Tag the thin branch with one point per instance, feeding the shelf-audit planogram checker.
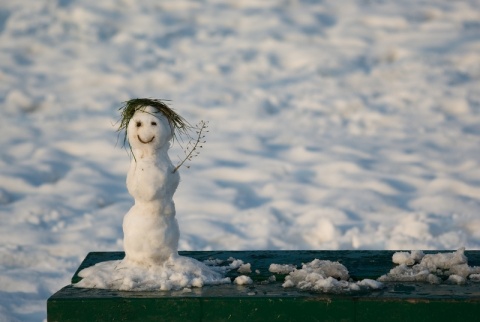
(191, 150)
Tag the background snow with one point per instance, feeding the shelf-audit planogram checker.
(333, 125)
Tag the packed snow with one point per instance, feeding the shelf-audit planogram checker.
(282, 268)
(245, 268)
(150, 228)
(219, 265)
(333, 125)
(408, 258)
(243, 280)
(431, 268)
(213, 261)
(475, 277)
(327, 277)
(174, 274)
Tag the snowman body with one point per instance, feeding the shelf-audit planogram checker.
(150, 228)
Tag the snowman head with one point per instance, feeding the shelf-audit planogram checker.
(149, 130)
(149, 124)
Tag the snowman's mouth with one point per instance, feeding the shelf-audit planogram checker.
(145, 142)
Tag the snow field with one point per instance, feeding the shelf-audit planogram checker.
(333, 125)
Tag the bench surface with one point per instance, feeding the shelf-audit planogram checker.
(398, 301)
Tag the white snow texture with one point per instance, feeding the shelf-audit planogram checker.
(282, 268)
(328, 277)
(431, 267)
(333, 125)
(150, 229)
(175, 273)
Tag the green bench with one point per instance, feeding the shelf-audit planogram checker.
(263, 301)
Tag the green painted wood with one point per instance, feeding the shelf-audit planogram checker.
(271, 302)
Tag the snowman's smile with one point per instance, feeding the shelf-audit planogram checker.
(145, 142)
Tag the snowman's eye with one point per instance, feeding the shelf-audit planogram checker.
(139, 123)
(154, 123)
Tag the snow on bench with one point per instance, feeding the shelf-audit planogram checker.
(291, 286)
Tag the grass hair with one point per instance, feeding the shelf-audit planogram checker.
(177, 123)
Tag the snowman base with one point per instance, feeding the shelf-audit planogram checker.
(178, 272)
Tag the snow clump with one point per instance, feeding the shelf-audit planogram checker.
(431, 268)
(245, 268)
(175, 274)
(328, 277)
(475, 277)
(281, 269)
(213, 261)
(243, 280)
(237, 264)
(415, 256)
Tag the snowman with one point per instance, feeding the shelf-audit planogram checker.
(150, 228)
(151, 231)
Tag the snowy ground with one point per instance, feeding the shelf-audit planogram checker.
(333, 125)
